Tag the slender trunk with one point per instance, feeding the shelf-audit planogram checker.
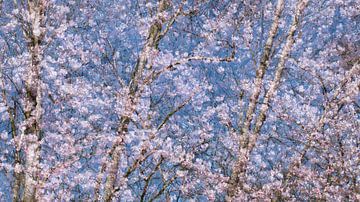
(274, 85)
(115, 160)
(153, 39)
(32, 124)
(17, 174)
(264, 63)
(239, 173)
(32, 131)
(17, 177)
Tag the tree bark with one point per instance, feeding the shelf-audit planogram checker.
(264, 63)
(274, 85)
(32, 108)
(260, 72)
(237, 179)
(153, 39)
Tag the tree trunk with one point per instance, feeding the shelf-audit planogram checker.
(260, 72)
(238, 176)
(235, 178)
(153, 39)
(32, 108)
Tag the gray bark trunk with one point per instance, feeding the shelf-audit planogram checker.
(153, 39)
(32, 131)
(244, 136)
(237, 179)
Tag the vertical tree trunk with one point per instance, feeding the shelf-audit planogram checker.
(239, 172)
(152, 42)
(17, 174)
(274, 85)
(264, 63)
(33, 111)
(260, 72)
(115, 160)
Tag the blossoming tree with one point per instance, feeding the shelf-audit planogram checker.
(168, 100)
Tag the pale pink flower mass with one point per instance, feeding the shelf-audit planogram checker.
(179, 100)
